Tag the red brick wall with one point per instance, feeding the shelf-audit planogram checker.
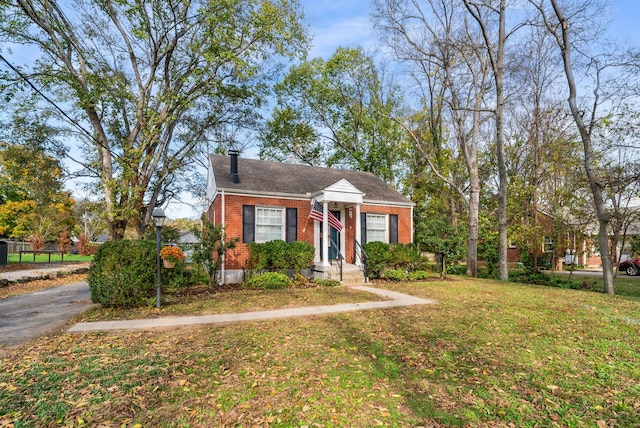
(236, 258)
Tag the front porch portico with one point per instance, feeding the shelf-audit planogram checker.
(345, 199)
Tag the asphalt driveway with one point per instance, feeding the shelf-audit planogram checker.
(26, 317)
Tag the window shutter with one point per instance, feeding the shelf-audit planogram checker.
(363, 227)
(393, 228)
(248, 223)
(292, 224)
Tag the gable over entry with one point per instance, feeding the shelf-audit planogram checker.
(259, 201)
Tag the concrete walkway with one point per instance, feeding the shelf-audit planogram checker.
(395, 299)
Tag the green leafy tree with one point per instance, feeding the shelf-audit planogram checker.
(213, 245)
(447, 241)
(32, 194)
(145, 84)
(335, 112)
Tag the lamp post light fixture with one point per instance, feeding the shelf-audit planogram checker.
(158, 220)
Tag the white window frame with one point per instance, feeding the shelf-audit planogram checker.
(513, 245)
(547, 245)
(386, 227)
(260, 239)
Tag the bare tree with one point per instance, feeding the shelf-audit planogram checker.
(451, 74)
(487, 14)
(567, 22)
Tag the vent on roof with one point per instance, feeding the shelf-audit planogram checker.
(234, 177)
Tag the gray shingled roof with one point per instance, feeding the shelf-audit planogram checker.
(263, 176)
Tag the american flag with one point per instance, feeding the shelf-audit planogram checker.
(316, 214)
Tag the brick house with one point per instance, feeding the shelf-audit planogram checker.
(259, 201)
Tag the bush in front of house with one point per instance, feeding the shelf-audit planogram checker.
(268, 281)
(382, 256)
(378, 255)
(123, 274)
(404, 256)
(280, 256)
(299, 255)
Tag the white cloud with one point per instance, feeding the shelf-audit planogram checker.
(353, 32)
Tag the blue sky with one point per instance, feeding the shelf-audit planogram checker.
(346, 23)
(335, 23)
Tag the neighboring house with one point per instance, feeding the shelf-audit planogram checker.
(260, 201)
(188, 242)
(571, 242)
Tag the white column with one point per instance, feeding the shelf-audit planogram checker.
(358, 235)
(326, 239)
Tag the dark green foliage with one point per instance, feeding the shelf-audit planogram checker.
(327, 282)
(395, 275)
(446, 241)
(378, 254)
(280, 256)
(488, 250)
(404, 256)
(268, 281)
(275, 254)
(300, 255)
(183, 276)
(123, 274)
(396, 256)
(540, 278)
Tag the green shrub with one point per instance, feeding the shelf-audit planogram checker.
(418, 275)
(378, 257)
(280, 256)
(268, 281)
(403, 256)
(395, 275)
(327, 282)
(183, 276)
(123, 274)
(276, 254)
(299, 255)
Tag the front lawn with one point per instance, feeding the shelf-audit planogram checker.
(486, 354)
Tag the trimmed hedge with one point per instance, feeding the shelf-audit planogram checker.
(279, 256)
(123, 274)
(391, 256)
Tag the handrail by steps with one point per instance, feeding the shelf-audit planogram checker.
(365, 269)
(340, 257)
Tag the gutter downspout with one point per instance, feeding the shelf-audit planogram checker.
(222, 267)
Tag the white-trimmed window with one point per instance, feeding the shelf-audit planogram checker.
(377, 227)
(547, 245)
(269, 224)
(513, 245)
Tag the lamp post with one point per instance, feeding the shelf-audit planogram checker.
(158, 219)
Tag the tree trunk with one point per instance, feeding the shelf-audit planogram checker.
(472, 242)
(585, 136)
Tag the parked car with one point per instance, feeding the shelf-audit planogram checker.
(630, 266)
